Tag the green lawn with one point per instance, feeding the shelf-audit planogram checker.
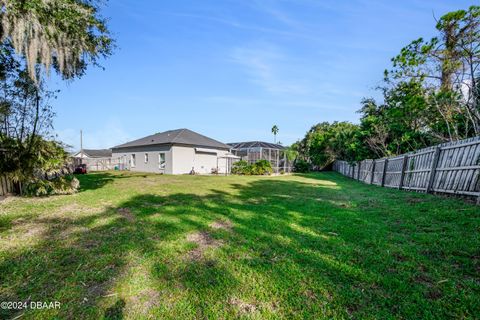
(195, 247)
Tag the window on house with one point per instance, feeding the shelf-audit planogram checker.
(161, 160)
(132, 160)
(146, 157)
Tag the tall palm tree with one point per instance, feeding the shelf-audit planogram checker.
(275, 131)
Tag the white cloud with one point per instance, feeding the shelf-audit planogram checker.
(274, 104)
(269, 68)
(274, 9)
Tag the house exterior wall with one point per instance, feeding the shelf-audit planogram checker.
(186, 157)
(152, 165)
(178, 159)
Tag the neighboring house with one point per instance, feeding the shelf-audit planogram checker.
(96, 159)
(252, 151)
(93, 153)
(175, 152)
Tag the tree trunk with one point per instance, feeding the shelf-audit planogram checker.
(35, 122)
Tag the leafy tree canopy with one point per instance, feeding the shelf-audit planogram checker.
(64, 34)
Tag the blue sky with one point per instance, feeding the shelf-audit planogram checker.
(231, 69)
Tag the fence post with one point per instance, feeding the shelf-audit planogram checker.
(373, 171)
(402, 174)
(2, 192)
(384, 173)
(359, 166)
(6, 185)
(431, 178)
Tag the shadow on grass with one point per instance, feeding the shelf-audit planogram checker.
(97, 180)
(346, 251)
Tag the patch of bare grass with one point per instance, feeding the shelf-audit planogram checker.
(127, 214)
(243, 307)
(204, 241)
(252, 308)
(147, 299)
(222, 225)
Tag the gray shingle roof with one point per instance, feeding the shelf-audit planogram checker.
(178, 136)
(255, 144)
(98, 153)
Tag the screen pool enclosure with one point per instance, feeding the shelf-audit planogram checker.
(252, 151)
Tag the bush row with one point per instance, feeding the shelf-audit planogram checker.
(66, 184)
(261, 167)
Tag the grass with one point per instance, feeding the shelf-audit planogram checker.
(182, 247)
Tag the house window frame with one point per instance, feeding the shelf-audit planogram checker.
(162, 162)
(133, 160)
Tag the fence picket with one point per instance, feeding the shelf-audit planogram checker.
(384, 172)
(6, 186)
(402, 174)
(452, 167)
(433, 169)
(373, 172)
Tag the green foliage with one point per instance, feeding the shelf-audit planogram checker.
(261, 167)
(400, 124)
(446, 69)
(35, 36)
(66, 184)
(275, 132)
(301, 166)
(431, 95)
(35, 158)
(26, 119)
(37, 167)
(67, 35)
(275, 129)
(326, 142)
(292, 152)
(241, 167)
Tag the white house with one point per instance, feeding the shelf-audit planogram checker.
(175, 152)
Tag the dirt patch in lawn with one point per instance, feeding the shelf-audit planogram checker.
(242, 306)
(22, 235)
(415, 200)
(127, 214)
(155, 205)
(74, 209)
(204, 241)
(222, 225)
(145, 300)
(68, 208)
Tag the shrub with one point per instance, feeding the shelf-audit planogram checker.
(241, 167)
(301, 166)
(66, 184)
(262, 167)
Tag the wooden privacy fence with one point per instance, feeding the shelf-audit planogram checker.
(6, 186)
(99, 164)
(452, 167)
